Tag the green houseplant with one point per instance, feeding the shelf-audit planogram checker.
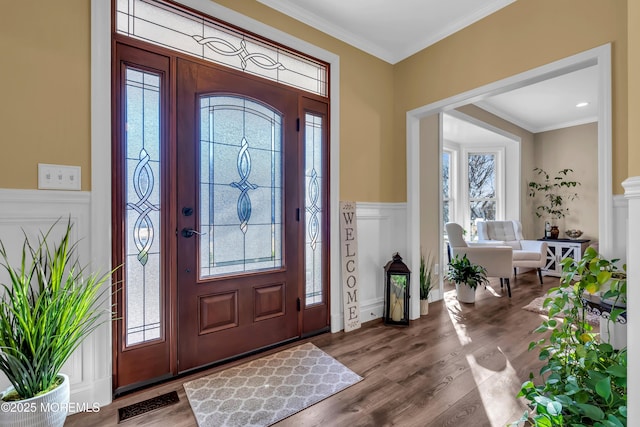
(556, 191)
(605, 292)
(426, 282)
(583, 381)
(467, 277)
(48, 307)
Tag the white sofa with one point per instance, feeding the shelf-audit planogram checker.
(497, 260)
(526, 253)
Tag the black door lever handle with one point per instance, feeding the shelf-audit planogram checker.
(188, 232)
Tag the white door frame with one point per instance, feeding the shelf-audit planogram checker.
(600, 57)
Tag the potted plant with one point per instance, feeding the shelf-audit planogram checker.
(583, 381)
(604, 286)
(426, 283)
(48, 307)
(556, 192)
(467, 277)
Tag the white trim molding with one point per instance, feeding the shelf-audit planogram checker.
(632, 194)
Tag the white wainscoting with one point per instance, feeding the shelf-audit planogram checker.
(381, 233)
(33, 212)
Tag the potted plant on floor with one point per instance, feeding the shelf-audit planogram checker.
(47, 308)
(583, 381)
(467, 277)
(426, 283)
(556, 192)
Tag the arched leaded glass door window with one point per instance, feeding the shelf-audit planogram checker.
(240, 186)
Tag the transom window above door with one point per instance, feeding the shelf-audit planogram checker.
(169, 25)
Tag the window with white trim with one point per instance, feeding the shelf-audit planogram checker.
(482, 189)
(472, 185)
(448, 202)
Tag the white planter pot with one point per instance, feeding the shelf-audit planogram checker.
(466, 293)
(614, 333)
(47, 410)
(424, 307)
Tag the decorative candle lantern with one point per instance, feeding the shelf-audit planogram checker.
(396, 293)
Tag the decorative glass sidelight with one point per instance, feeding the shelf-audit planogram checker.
(313, 209)
(240, 186)
(171, 26)
(142, 216)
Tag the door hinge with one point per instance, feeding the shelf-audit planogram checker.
(298, 304)
(298, 124)
(298, 214)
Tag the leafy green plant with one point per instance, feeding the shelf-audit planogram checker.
(426, 276)
(595, 273)
(584, 382)
(461, 270)
(556, 192)
(48, 307)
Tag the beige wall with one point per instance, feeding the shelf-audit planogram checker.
(430, 188)
(44, 87)
(45, 108)
(522, 36)
(44, 81)
(575, 148)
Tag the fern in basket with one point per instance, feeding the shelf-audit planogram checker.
(47, 309)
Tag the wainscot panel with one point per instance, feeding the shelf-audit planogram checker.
(32, 212)
(381, 233)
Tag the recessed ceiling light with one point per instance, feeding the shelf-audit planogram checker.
(582, 104)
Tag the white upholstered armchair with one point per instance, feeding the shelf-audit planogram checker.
(497, 260)
(526, 253)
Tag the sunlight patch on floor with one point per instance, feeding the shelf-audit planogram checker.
(454, 310)
(503, 390)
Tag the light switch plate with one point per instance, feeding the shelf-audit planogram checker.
(58, 177)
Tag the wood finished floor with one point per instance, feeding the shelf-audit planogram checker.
(462, 365)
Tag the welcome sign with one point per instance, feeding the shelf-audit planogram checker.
(349, 250)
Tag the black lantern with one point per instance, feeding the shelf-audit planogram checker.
(396, 293)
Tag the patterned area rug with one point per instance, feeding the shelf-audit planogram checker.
(536, 307)
(269, 389)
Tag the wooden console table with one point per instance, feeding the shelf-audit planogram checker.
(559, 249)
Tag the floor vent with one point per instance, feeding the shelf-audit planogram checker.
(148, 405)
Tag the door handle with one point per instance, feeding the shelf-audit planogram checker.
(188, 232)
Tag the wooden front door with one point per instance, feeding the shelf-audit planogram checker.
(238, 227)
(220, 195)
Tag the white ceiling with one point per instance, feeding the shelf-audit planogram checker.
(390, 30)
(457, 129)
(550, 104)
(395, 30)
